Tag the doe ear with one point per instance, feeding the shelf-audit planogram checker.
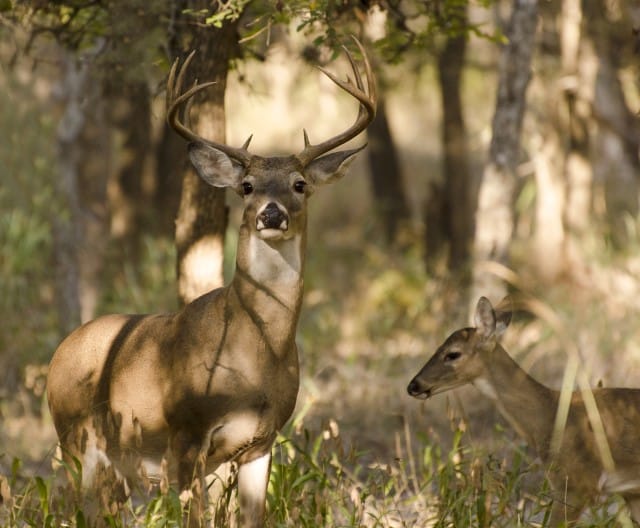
(503, 315)
(485, 318)
(331, 167)
(214, 166)
(490, 322)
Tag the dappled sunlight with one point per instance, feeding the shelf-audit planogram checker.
(358, 450)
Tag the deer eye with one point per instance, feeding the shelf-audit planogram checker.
(299, 186)
(452, 356)
(247, 188)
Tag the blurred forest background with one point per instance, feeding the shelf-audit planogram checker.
(504, 159)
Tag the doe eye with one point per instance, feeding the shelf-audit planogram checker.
(452, 356)
(247, 188)
(299, 186)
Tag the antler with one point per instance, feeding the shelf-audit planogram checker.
(366, 110)
(175, 99)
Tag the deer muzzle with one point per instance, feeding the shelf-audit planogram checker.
(272, 217)
(418, 390)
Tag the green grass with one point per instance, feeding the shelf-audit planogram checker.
(316, 481)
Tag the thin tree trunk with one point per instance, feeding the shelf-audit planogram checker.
(171, 162)
(495, 213)
(617, 137)
(386, 176)
(578, 69)
(80, 233)
(556, 85)
(458, 213)
(548, 241)
(127, 94)
(66, 227)
(130, 118)
(435, 237)
(202, 214)
(617, 162)
(96, 162)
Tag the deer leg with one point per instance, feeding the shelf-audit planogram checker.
(190, 459)
(253, 478)
(99, 487)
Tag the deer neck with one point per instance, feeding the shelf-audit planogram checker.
(269, 275)
(526, 404)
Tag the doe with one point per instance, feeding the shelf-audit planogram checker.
(577, 473)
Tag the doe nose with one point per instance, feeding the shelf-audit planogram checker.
(272, 217)
(413, 388)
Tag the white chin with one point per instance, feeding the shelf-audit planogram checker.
(271, 234)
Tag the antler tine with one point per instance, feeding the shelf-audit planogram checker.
(366, 109)
(174, 101)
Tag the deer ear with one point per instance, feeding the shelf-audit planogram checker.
(331, 167)
(485, 318)
(214, 166)
(503, 316)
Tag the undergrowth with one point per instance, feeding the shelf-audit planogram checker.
(317, 480)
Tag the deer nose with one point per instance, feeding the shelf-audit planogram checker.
(414, 387)
(272, 217)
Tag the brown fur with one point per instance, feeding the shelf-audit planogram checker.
(577, 472)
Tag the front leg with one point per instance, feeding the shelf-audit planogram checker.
(190, 467)
(253, 478)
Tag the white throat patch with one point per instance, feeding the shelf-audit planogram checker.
(485, 387)
(279, 262)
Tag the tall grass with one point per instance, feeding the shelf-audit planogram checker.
(316, 481)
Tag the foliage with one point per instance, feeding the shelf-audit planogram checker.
(27, 201)
(315, 481)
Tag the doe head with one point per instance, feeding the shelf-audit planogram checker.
(462, 358)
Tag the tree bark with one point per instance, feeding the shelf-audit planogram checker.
(386, 176)
(617, 138)
(555, 85)
(129, 104)
(202, 214)
(171, 162)
(66, 227)
(81, 232)
(577, 65)
(617, 163)
(457, 220)
(495, 214)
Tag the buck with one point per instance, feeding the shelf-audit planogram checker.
(175, 395)
(576, 469)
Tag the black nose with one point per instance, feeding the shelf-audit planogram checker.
(272, 217)
(413, 388)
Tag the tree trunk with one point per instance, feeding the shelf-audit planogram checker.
(66, 227)
(80, 234)
(386, 176)
(457, 220)
(202, 214)
(617, 163)
(556, 85)
(495, 213)
(171, 162)
(617, 138)
(577, 65)
(130, 119)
